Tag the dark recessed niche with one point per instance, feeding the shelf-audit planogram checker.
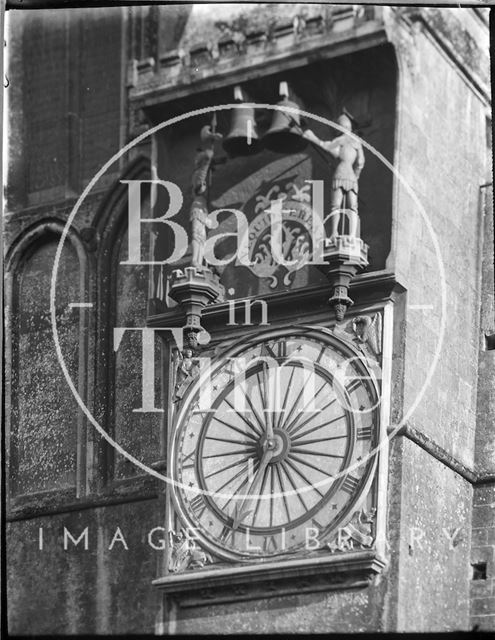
(479, 571)
(364, 84)
(490, 342)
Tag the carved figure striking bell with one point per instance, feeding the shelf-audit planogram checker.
(242, 139)
(285, 132)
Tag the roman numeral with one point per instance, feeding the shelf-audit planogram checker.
(350, 484)
(316, 524)
(198, 506)
(188, 461)
(282, 349)
(279, 349)
(266, 350)
(352, 386)
(270, 541)
(364, 433)
(226, 533)
(229, 368)
(201, 413)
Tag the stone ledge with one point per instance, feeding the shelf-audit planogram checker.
(162, 86)
(366, 288)
(51, 502)
(246, 582)
(265, 32)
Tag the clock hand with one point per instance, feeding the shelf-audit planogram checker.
(268, 418)
(240, 511)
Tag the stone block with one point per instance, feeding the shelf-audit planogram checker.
(484, 554)
(479, 537)
(483, 606)
(481, 588)
(484, 495)
(483, 623)
(483, 515)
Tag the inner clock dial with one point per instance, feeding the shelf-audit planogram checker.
(278, 438)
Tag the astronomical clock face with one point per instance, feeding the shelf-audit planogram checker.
(271, 449)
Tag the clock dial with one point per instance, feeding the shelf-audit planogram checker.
(270, 450)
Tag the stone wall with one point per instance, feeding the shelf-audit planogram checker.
(71, 101)
(483, 533)
(483, 558)
(442, 155)
(64, 588)
(65, 106)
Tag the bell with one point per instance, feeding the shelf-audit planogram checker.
(242, 140)
(285, 133)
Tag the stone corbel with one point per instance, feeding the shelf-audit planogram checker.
(184, 554)
(368, 332)
(357, 534)
(186, 371)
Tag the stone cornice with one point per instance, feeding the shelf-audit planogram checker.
(58, 501)
(176, 75)
(369, 288)
(247, 582)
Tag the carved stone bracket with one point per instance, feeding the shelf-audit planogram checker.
(345, 256)
(308, 575)
(357, 534)
(193, 288)
(187, 370)
(368, 332)
(184, 554)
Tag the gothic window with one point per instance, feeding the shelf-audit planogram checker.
(136, 432)
(124, 303)
(45, 416)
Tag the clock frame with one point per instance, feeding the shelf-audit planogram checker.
(237, 527)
